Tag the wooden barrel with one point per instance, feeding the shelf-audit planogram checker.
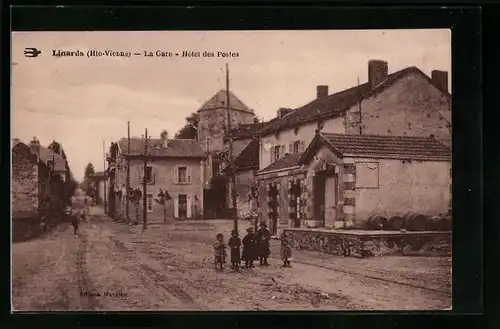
(415, 222)
(396, 223)
(446, 224)
(376, 222)
(434, 223)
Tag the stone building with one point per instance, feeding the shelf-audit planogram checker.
(174, 166)
(213, 124)
(405, 103)
(348, 178)
(38, 187)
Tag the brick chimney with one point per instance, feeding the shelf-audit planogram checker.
(35, 147)
(377, 72)
(164, 139)
(282, 111)
(440, 80)
(321, 91)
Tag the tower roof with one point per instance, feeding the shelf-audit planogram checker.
(219, 100)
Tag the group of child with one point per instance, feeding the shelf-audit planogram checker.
(255, 246)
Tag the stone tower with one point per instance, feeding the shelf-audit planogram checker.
(213, 120)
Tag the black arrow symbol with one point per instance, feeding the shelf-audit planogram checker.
(31, 52)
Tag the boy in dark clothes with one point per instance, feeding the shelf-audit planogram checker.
(286, 250)
(74, 222)
(249, 248)
(235, 243)
(263, 241)
(219, 252)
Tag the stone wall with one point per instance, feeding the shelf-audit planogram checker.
(335, 243)
(25, 191)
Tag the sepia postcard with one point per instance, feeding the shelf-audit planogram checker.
(231, 170)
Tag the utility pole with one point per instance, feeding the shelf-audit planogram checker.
(231, 167)
(105, 175)
(144, 183)
(360, 114)
(127, 183)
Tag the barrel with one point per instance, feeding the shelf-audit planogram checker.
(396, 223)
(434, 223)
(446, 223)
(376, 222)
(415, 222)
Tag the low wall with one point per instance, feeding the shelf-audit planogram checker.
(368, 243)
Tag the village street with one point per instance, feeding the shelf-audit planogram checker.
(169, 267)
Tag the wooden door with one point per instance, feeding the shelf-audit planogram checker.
(182, 206)
(319, 198)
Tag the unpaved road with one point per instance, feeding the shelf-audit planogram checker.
(111, 266)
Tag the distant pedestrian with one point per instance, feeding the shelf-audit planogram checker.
(74, 222)
(263, 242)
(219, 252)
(286, 250)
(249, 248)
(235, 243)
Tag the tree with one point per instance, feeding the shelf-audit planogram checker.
(88, 180)
(190, 129)
(163, 197)
(256, 120)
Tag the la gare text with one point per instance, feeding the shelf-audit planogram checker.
(191, 54)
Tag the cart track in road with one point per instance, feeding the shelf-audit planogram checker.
(84, 283)
(160, 279)
(371, 277)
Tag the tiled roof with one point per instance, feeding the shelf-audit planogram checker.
(336, 104)
(180, 148)
(249, 157)
(418, 148)
(219, 100)
(47, 155)
(243, 131)
(289, 160)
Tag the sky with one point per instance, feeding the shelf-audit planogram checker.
(84, 102)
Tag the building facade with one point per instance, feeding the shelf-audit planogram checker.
(348, 178)
(406, 103)
(174, 166)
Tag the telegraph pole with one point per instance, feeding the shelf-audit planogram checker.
(105, 174)
(127, 183)
(144, 183)
(231, 167)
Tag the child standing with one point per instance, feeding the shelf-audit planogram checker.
(286, 250)
(235, 244)
(219, 252)
(249, 248)
(74, 222)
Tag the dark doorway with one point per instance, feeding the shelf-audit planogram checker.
(319, 198)
(182, 206)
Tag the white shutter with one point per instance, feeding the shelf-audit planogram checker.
(141, 176)
(272, 154)
(290, 148)
(176, 175)
(188, 206)
(282, 151)
(176, 206)
(188, 172)
(302, 146)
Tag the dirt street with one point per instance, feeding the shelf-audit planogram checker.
(111, 266)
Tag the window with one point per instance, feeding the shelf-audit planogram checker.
(296, 147)
(276, 153)
(150, 202)
(182, 175)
